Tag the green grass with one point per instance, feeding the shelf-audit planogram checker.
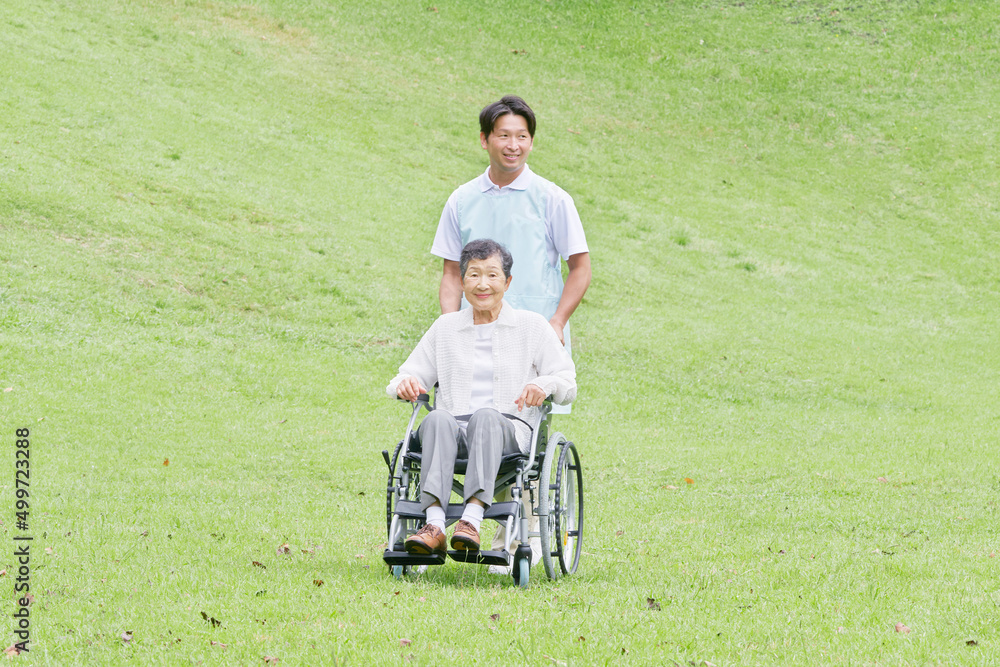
(214, 231)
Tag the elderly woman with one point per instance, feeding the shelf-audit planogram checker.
(487, 360)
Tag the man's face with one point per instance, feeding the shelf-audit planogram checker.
(508, 146)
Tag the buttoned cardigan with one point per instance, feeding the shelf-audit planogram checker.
(525, 350)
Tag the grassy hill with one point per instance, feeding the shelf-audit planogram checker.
(215, 221)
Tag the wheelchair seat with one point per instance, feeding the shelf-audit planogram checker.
(508, 463)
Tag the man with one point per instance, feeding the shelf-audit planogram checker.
(534, 218)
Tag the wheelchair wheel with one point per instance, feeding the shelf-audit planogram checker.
(408, 478)
(390, 489)
(521, 572)
(561, 507)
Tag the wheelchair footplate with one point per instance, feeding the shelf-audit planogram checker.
(403, 558)
(499, 511)
(478, 557)
(481, 557)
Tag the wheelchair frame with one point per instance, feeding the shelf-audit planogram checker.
(546, 482)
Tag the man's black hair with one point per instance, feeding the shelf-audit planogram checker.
(507, 105)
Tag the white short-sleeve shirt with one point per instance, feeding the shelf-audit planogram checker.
(563, 228)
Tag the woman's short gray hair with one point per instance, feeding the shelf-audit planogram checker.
(484, 249)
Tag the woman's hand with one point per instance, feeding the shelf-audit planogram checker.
(532, 396)
(409, 388)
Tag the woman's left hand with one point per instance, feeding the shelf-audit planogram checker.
(532, 396)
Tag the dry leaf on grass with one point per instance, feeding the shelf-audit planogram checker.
(902, 628)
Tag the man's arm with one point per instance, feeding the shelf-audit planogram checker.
(577, 282)
(450, 291)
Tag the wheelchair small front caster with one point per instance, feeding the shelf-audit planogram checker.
(522, 566)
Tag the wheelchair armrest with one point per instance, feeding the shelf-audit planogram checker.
(422, 399)
(544, 409)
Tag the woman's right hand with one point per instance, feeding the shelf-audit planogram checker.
(531, 396)
(409, 388)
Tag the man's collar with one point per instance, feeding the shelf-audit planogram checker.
(520, 183)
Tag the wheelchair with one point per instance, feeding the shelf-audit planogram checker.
(547, 482)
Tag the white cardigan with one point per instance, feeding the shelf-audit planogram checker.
(525, 350)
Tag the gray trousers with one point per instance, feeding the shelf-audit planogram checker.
(488, 437)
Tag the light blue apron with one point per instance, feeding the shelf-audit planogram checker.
(516, 218)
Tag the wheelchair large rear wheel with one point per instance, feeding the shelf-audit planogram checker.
(391, 495)
(561, 507)
(399, 476)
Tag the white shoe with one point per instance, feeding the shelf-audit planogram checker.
(499, 569)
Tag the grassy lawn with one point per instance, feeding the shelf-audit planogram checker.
(215, 222)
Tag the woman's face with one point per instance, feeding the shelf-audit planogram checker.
(484, 283)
